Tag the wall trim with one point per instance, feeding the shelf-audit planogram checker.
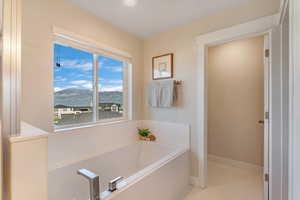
(88, 42)
(235, 163)
(10, 86)
(238, 32)
(194, 181)
(294, 140)
(282, 11)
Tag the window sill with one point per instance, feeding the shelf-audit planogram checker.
(90, 125)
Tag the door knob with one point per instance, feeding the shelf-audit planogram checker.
(261, 121)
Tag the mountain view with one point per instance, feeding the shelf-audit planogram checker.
(83, 97)
(74, 71)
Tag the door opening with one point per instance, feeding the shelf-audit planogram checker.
(237, 88)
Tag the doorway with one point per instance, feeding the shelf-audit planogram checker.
(237, 99)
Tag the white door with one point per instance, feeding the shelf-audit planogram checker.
(266, 117)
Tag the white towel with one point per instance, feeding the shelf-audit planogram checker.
(167, 94)
(162, 94)
(154, 94)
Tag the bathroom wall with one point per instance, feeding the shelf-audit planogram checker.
(235, 76)
(181, 42)
(39, 17)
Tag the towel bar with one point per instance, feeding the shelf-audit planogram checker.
(177, 82)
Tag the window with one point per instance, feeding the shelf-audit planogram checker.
(88, 87)
(110, 77)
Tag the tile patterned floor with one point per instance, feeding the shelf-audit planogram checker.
(229, 183)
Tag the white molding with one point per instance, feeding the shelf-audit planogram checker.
(11, 68)
(235, 163)
(88, 42)
(10, 85)
(237, 32)
(257, 27)
(294, 140)
(283, 8)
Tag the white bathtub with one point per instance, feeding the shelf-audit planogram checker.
(152, 171)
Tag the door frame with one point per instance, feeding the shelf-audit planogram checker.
(10, 77)
(294, 112)
(267, 106)
(263, 26)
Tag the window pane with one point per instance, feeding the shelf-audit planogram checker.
(73, 86)
(110, 78)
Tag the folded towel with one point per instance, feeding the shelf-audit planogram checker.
(162, 94)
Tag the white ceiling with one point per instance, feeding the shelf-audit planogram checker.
(150, 17)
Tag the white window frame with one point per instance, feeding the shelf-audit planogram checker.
(72, 40)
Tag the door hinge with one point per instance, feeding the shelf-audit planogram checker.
(267, 177)
(267, 53)
(267, 115)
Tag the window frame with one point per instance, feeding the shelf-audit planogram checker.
(127, 94)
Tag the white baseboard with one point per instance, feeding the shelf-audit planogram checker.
(235, 163)
(195, 181)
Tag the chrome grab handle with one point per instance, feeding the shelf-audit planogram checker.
(112, 186)
(93, 181)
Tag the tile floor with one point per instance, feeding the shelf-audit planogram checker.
(229, 183)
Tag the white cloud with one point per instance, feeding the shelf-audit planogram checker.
(83, 83)
(111, 88)
(60, 79)
(80, 82)
(77, 64)
(57, 89)
(114, 68)
(111, 81)
(88, 86)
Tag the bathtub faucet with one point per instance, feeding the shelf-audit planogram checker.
(113, 184)
(93, 181)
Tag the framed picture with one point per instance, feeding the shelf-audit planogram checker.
(162, 67)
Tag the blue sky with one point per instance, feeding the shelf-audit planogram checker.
(76, 70)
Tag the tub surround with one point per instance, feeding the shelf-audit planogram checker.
(28, 164)
(67, 147)
(35, 153)
(169, 133)
(147, 168)
(143, 168)
(29, 132)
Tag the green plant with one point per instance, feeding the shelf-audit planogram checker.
(56, 120)
(144, 132)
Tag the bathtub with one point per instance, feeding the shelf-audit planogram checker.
(151, 171)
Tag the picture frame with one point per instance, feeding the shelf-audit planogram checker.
(162, 66)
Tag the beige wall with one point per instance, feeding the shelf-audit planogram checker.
(236, 100)
(38, 18)
(181, 42)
